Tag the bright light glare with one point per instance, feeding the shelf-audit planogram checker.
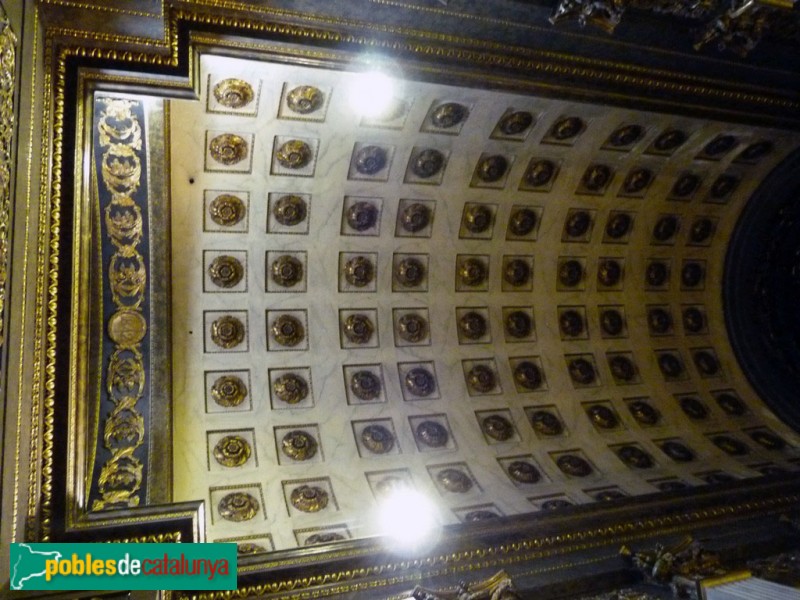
(408, 518)
(372, 94)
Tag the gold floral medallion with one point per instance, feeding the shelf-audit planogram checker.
(294, 154)
(226, 210)
(232, 451)
(288, 330)
(233, 93)
(449, 115)
(358, 329)
(227, 332)
(299, 445)
(498, 428)
(225, 271)
(228, 149)
(228, 391)
(287, 271)
(309, 499)
(377, 439)
(305, 99)
(472, 272)
(249, 548)
(238, 507)
(359, 271)
(432, 434)
(291, 388)
(481, 379)
(290, 210)
(516, 122)
(454, 480)
(412, 328)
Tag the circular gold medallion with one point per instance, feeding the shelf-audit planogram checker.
(359, 271)
(478, 218)
(305, 99)
(377, 439)
(127, 327)
(415, 217)
(227, 332)
(226, 210)
(369, 160)
(432, 434)
(238, 507)
(228, 391)
(516, 122)
(472, 272)
(358, 329)
(233, 93)
(290, 210)
(492, 168)
(323, 538)
(454, 481)
(291, 388)
(481, 379)
(249, 548)
(228, 149)
(449, 115)
(287, 271)
(523, 472)
(288, 330)
(427, 163)
(232, 451)
(498, 428)
(294, 154)
(299, 445)
(420, 382)
(225, 271)
(473, 325)
(365, 385)
(309, 499)
(412, 328)
(574, 465)
(410, 272)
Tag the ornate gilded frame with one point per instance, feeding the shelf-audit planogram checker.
(76, 62)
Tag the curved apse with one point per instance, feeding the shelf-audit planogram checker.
(510, 303)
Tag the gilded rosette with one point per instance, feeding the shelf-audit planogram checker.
(226, 210)
(228, 391)
(232, 451)
(227, 332)
(294, 154)
(225, 271)
(228, 149)
(233, 93)
(299, 445)
(290, 388)
(309, 499)
(238, 507)
(288, 330)
(305, 99)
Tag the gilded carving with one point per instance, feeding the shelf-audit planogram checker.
(517, 272)
(498, 428)
(305, 99)
(365, 385)
(519, 324)
(545, 422)
(454, 480)
(290, 388)
(294, 154)
(232, 451)
(522, 222)
(359, 271)
(420, 382)
(226, 210)
(574, 465)
(290, 210)
(370, 160)
(299, 445)
(412, 328)
(427, 163)
(432, 434)
(473, 325)
(540, 172)
(288, 330)
(377, 439)
(516, 122)
(227, 332)
(225, 271)
(358, 329)
(481, 379)
(287, 271)
(228, 391)
(323, 538)
(415, 217)
(478, 218)
(492, 168)
(523, 472)
(120, 140)
(528, 375)
(612, 322)
(309, 499)
(410, 272)
(449, 115)
(238, 507)
(472, 272)
(233, 93)
(362, 216)
(228, 149)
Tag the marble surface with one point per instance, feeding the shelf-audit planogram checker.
(351, 476)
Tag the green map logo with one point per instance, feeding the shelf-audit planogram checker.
(123, 567)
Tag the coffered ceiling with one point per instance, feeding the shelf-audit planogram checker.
(506, 302)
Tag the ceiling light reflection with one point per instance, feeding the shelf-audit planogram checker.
(372, 95)
(409, 519)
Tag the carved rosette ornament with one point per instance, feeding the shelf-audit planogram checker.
(290, 388)
(309, 499)
(119, 157)
(232, 451)
(323, 538)
(226, 210)
(365, 385)
(415, 217)
(290, 210)
(432, 434)
(299, 445)
(305, 99)
(516, 122)
(238, 507)
(412, 328)
(288, 331)
(227, 332)
(294, 154)
(358, 329)
(228, 391)
(370, 160)
(449, 115)
(377, 439)
(410, 272)
(454, 480)
(228, 149)
(225, 271)
(359, 271)
(233, 93)
(287, 271)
